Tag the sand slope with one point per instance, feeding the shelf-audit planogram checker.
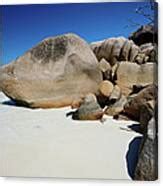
(45, 143)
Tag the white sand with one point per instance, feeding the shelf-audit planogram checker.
(46, 143)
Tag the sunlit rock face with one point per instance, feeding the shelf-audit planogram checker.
(52, 74)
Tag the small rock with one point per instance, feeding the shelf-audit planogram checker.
(106, 69)
(106, 88)
(89, 109)
(104, 65)
(117, 107)
(141, 58)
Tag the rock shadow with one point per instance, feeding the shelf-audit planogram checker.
(136, 128)
(14, 104)
(73, 115)
(9, 103)
(132, 155)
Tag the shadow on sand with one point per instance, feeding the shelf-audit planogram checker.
(14, 104)
(132, 155)
(136, 128)
(9, 103)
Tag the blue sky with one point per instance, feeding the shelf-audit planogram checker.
(24, 26)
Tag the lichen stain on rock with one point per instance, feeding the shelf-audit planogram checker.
(50, 49)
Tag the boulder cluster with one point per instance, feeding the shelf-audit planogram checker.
(115, 76)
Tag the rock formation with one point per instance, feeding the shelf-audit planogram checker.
(134, 105)
(147, 111)
(115, 95)
(150, 50)
(106, 88)
(117, 107)
(116, 74)
(115, 49)
(130, 74)
(145, 34)
(89, 109)
(147, 165)
(53, 74)
(106, 69)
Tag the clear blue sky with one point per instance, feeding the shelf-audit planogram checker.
(24, 26)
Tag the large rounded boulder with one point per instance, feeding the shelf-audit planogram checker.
(53, 74)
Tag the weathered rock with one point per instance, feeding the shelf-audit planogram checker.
(133, 107)
(106, 69)
(129, 74)
(145, 34)
(103, 49)
(117, 107)
(106, 88)
(89, 109)
(52, 74)
(150, 50)
(104, 100)
(77, 102)
(134, 51)
(147, 111)
(116, 94)
(104, 65)
(141, 58)
(147, 165)
(114, 71)
(115, 49)
(125, 54)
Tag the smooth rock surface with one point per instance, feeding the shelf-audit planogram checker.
(52, 74)
(130, 74)
(106, 88)
(133, 107)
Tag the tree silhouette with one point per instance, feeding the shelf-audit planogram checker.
(147, 11)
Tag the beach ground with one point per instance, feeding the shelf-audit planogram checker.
(46, 143)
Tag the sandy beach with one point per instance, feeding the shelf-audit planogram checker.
(46, 143)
